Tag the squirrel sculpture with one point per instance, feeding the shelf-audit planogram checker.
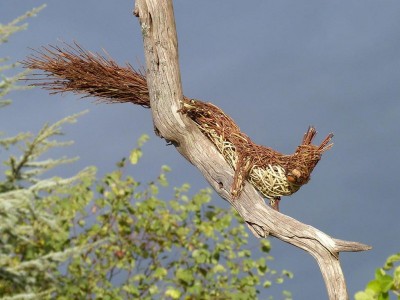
(273, 174)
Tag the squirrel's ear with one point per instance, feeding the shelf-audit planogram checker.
(309, 136)
(325, 145)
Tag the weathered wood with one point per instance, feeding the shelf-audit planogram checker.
(157, 22)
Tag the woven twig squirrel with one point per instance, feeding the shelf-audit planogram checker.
(273, 174)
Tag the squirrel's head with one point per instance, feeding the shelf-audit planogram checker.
(302, 164)
(305, 158)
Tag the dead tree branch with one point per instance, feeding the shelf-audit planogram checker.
(163, 78)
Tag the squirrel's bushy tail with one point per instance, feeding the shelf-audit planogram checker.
(74, 69)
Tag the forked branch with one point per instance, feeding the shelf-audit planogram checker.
(157, 22)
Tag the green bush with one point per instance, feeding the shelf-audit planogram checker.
(384, 284)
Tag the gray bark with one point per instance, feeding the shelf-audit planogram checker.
(157, 22)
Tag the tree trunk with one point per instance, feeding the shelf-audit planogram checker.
(157, 22)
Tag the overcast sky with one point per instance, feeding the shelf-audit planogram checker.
(275, 67)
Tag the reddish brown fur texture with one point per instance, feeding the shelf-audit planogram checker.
(73, 69)
(298, 166)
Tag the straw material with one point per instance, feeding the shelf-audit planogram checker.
(73, 69)
(272, 173)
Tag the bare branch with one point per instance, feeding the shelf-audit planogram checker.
(163, 79)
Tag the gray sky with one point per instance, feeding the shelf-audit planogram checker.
(275, 67)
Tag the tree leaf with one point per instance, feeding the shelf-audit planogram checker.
(172, 292)
(135, 155)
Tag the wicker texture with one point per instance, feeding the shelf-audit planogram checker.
(272, 173)
(73, 69)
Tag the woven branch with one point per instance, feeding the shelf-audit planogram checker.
(273, 174)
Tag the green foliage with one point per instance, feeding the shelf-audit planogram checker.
(384, 283)
(35, 232)
(122, 241)
(8, 83)
(137, 153)
(35, 226)
(184, 248)
(6, 30)
(27, 167)
(37, 214)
